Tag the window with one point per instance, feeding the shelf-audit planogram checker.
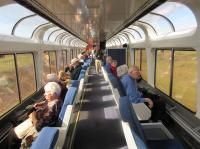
(128, 58)
(144, 65)
(8, 18)
(53, 62)
(46, 66)
(9, 96)
(28, 25)
(162, 80)
(137, 58)
(64, 58)
(185, 78)
(26, 72)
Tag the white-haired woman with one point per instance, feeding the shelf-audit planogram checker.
(45, 113)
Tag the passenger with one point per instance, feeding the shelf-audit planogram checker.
(108, 64)
(52, 77)
(59, 79)
(81, 59)
(44, 113)
(129, 83)
(63, 80)
(68, 69)
(76, 69)
(114, 68)
(98, 60)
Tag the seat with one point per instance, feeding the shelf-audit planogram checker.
(138, 132)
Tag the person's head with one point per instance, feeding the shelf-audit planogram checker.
(109, 59)
(134, 72)
(75, 62)
(52, 77)
(114, 63)
(80, 56)
(62, 75)
(52, 91)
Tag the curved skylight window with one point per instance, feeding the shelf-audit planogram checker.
(8, 18)
(28, 25)
(136, 31)
(54, 35)
(180, 15)
(66, 38)
(160, 24)
(48, 32)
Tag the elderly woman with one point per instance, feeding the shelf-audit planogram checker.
(45, 113)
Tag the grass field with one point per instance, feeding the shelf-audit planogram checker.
(184, 88)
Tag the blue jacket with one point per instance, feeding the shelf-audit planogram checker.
(130, 87)
(108, 68)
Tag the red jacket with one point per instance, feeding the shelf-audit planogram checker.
(114, 70)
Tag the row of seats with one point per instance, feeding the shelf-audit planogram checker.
(54, 137)
(145, 135)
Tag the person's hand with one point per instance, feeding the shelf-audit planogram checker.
(150, 103)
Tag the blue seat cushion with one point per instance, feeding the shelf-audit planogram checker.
(128, 115)
(75, 83)
(69, 98)
(46, 139)
(81, 76)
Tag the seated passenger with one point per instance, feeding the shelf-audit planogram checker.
(81, 59)
(44, 113)
(129, 83)
(76, 69)
(63, 81)
(108, 64)
(68, 69)
(114, 68)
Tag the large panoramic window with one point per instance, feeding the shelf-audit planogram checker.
(28, 25)
(9, 96)
(49, 32)
(46, 66)
(169, 18)
(128, 58)
(162, 80)
(180, 15)
(9, 15)
(144, 71)
(53, 62)
(26, 73)
(184, 88)
(138, 58)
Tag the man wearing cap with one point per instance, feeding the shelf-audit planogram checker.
(77, 68)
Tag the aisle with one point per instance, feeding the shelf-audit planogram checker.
(99, 125)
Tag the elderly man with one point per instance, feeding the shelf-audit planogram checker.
(45, 113)
(130, 85)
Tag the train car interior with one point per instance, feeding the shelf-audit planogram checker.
(69, 43)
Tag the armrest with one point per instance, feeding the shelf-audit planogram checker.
(142, 111)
